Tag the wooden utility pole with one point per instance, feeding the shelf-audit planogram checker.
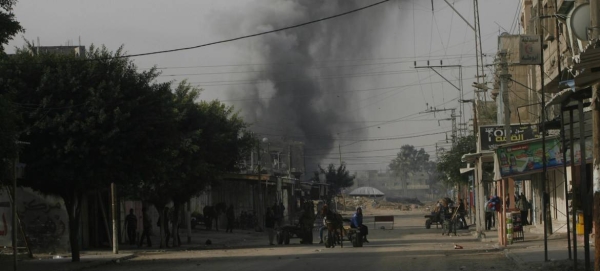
(596, 170)
(595, 23)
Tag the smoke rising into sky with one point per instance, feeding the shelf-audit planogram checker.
(297, 93)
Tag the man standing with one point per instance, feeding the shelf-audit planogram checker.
(270, 225)
(523, 206)
(131, 226)
(147, 223)
(230, 218)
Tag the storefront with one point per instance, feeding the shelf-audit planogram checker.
(524, 160)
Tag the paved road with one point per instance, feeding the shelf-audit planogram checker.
(408, 247)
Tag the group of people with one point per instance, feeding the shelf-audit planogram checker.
(274, 218)
(445, 209)
(131, 226)
(495, 205)
(356, 222)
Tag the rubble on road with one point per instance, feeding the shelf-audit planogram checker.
(351, 203)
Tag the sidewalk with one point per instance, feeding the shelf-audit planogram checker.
(100, 257)
(88, 260)
(531, 251)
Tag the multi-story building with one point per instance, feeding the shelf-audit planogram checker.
(564, 76)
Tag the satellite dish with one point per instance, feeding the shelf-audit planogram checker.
(580, 21)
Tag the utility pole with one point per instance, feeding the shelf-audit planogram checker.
(460, 82)
(504, 76)
(14, 213)
(340, 150)
(595, 34)
(261, 203)
(15, 217)
(113, 192)
(453, 117)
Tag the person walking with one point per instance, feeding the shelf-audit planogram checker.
(131, 226)
(490, 212)
(230, 218)
(147, 228)
(357, 223)
(270, 225)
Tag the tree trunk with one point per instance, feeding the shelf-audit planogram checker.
(175, 223)
(161, 231)
(73, 205)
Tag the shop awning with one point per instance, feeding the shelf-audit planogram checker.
(465, 170)
(486, 156)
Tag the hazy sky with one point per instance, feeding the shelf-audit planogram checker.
(335, 83)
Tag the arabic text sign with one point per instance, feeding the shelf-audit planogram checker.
(530, 50)
(527, 158)
(492, 136)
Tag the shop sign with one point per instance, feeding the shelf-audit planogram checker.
(527, 158)
(492, 136)
(530, 50)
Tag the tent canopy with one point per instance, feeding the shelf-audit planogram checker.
(366, 191)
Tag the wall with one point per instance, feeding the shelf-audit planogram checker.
(44, 219)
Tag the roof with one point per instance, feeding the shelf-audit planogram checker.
(366, 191)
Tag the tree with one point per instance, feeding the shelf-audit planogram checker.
(451, 161)
(337, 179)
(9, 27)
(407, 162)
(88, 122)
(207, 139)
(213, 139)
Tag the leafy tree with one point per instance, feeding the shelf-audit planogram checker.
(9, 27)
(408, 162)
(7, 138)
(213, 138)
(337, 179)
(207, 140)
(90, 122)
(451, 161)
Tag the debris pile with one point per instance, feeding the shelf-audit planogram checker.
(404, 204)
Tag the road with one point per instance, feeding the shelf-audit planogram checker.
(409, 246)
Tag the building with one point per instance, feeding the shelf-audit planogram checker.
(560, 84)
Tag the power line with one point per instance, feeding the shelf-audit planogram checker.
(410, 59)
(252, 35)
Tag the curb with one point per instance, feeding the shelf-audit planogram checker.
(103, 263)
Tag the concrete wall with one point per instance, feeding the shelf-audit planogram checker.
(44, 219)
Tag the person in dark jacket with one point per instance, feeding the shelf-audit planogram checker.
(357, 222)
(523, 206)
(230, 214)
(131, 226)
(270, 225)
